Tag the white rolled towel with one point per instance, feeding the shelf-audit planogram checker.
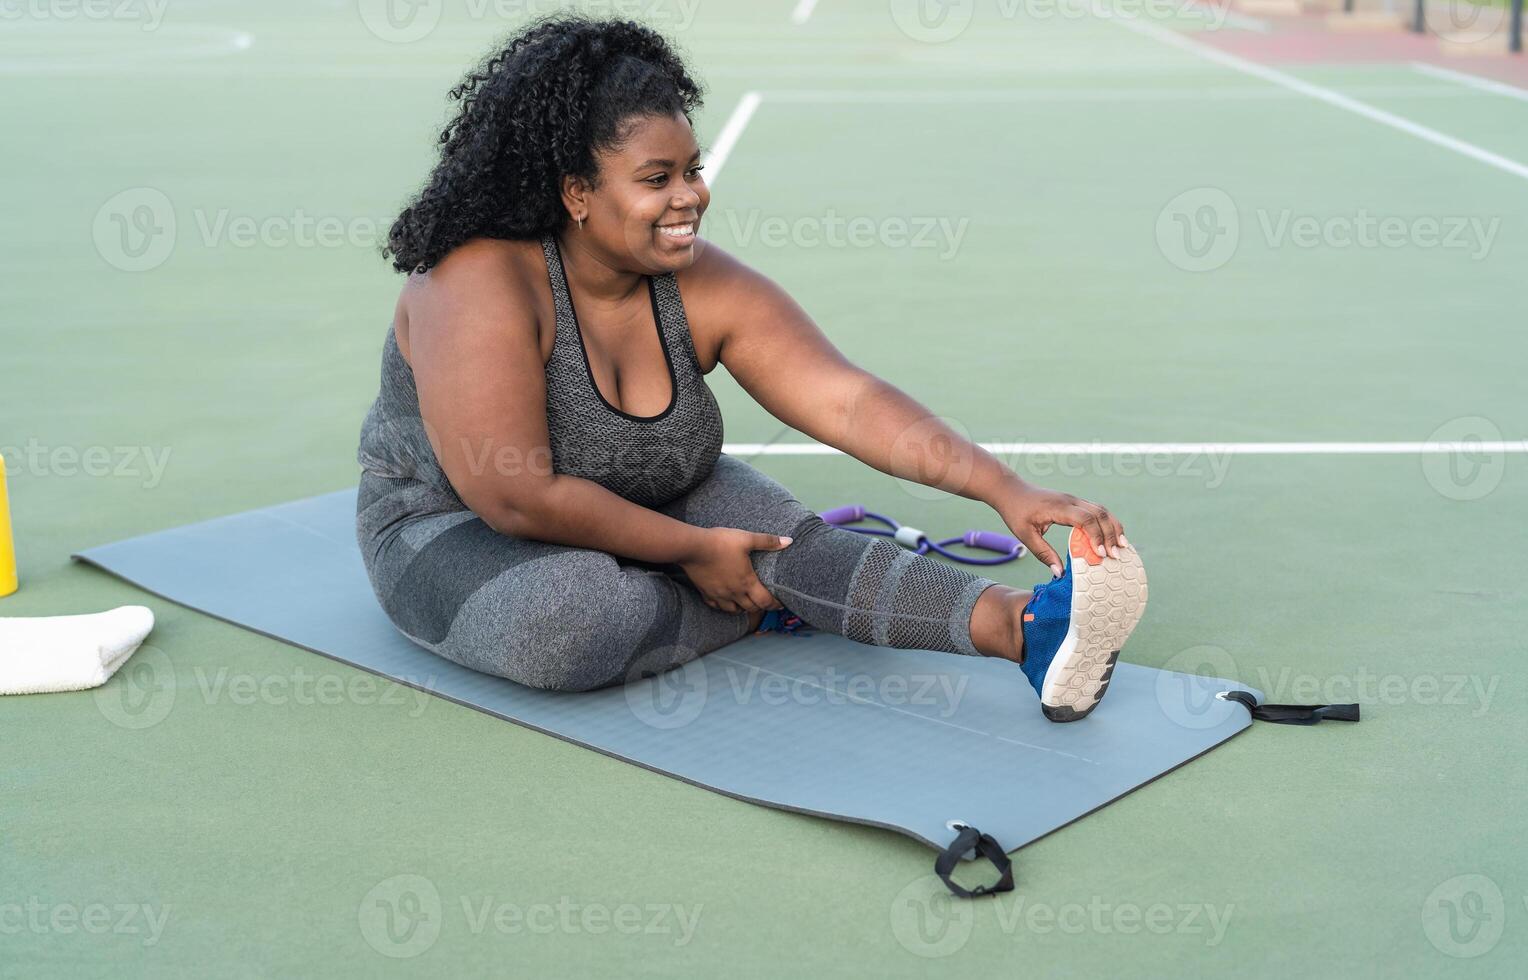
(43, 654)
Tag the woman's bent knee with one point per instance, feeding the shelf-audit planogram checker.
(572, 633)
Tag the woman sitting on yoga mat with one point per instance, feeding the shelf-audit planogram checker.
(545, 497)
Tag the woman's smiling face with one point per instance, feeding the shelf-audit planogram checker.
(646, 211)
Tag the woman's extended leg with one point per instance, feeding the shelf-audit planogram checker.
(866, 588)
(574, 619)
(1066, 635)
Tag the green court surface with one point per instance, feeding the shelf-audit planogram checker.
(1033, 197)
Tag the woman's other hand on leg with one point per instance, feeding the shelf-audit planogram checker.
(721, 571)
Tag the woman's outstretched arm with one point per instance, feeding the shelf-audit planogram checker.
(781, 358)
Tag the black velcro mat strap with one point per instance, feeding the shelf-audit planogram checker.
(1293, 714)
(968, 838)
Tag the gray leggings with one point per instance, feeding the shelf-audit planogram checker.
(574, 619)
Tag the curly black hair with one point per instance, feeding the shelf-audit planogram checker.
(535, 111)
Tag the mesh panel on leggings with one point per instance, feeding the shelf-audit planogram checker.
(903, 600)
(868, 579)
(929, 590)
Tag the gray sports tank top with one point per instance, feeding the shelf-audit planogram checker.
(649, 461)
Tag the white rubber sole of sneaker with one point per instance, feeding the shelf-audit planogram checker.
(1108, 598)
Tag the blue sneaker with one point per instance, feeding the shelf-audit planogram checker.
(783, 621)
(1075, 625)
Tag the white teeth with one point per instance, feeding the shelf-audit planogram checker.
(677, 231)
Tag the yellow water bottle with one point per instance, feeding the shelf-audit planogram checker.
(7, 546)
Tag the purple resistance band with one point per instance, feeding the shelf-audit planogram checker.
(1006, 547)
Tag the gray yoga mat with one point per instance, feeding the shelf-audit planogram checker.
(908, 740)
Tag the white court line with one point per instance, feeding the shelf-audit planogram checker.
(1440, 447)
(1473, 81)
(736, 123)
(1321, 94)
(948, 96)
(222, 41)
(803, 11)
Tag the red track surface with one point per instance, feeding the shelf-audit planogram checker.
(1307, 40)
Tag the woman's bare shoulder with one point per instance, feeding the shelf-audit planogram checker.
(715, 268)
(483, 284)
